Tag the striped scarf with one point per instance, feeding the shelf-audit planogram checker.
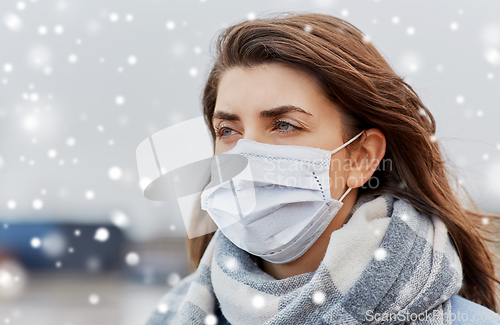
(388, 264)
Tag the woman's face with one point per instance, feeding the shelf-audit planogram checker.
(277, 104)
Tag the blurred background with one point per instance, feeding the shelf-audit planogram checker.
(83, 82)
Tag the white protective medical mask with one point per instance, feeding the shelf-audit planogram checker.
(280, 204)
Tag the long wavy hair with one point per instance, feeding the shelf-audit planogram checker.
(355, 76)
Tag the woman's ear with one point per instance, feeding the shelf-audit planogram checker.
(366, 158)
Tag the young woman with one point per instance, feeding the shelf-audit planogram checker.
(375, 231)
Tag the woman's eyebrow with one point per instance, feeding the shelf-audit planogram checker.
(272, 112)
(280, 110)
(225, 116)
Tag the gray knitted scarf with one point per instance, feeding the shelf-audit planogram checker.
(388, 264)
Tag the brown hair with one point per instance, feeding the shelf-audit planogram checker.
(354, 75)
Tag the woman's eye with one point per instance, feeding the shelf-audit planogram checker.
(224, 132)
(283, 126)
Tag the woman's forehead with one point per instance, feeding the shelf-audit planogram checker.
(268, 86)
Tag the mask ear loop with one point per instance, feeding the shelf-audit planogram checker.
(348, 142)
(345, 194)
(342, 147)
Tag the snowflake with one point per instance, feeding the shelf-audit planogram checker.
(114, 17)
(52, 153)
(319, 297)
(37, 204)
(89, 195)
(94, 299)
(170, 25)
(162, 308)
(70, 141)
(173, 278)
(258, 301)
(35, 242)
(380, 254)
(115, 173)
(231, 263)
(132, 258)
(11, 204)
(101, 234)
(211, 319)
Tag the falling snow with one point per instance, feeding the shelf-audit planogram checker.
(162, 308)
(7, 67)
(89, 195)
(132, 60)
(193, 72)
(115, 173)
(119, 219)
(11, 204)
(319, 297)
(52, 153)
(114, 17)
(211, 319)
(37, 204)
(35, 242)
(58, 29)
(258, 301)
(72, 58)
(170, 25)
(380, 254)
(94, 299)
(132, 258)
(13, 22)
(101, 234)
(62, 132)
(70, 141)
(173, 278)
(231, 263)
(119, 100)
